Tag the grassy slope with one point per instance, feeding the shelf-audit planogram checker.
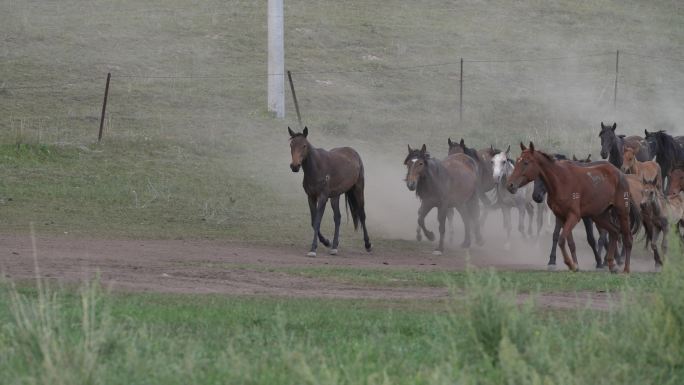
(201, 157)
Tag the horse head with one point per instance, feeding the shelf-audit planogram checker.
(416, 163)
(501, 167)
(299, 147)
(608, 139)
(526, 170)
(628, 160)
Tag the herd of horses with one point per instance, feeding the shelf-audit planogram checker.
(641, 185)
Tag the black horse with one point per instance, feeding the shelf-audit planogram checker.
(612, 146)
(539, 195)
(668, 150)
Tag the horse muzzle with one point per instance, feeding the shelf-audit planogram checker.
(512, 187)
(539, 198)
(294, 167)
(604, 154)
(411, 186)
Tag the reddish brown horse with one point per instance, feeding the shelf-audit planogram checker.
(580, 191)
(327, 175)
(444, 184)
(648, 170)
(676, 177)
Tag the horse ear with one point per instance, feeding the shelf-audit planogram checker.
(574, 158)
(292, 134)
(462, 143)
(491, 147)
(614, 126)
(645, 132)
(423, 149)
(531, 146)
(589, 158)
(409, 148)
(306, 131)
(450, 142)
(522, 146)
(508, 150)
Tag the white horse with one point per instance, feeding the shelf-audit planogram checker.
(502, 168)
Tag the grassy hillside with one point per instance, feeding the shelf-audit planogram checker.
(190, 149)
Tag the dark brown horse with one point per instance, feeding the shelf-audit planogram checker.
(612, 146)
(580, 191)
(327, 175)
(446, 184)
(485, 180)
(667, 150)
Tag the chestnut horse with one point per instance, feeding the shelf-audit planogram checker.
(327, 175)
(676, 178)
(539, 196)
(446, 184)
(648, 170)
(575, 192)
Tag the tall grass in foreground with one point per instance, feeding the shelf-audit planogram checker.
(484, 337)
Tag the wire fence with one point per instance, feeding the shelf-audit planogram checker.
(484, 90)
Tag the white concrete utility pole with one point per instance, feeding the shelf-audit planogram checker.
(276, 58)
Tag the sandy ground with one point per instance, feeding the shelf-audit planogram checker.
(202, 266)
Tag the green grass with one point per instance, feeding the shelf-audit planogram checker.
(479, 336)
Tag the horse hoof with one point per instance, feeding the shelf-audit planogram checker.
(419, 237)
(333, 251)
(480, 242)
(614, 270)
(467, 253)
(436, 252)
(311, 254)
(325, 242)
(658, 268)
(551, 267)
(369, 247)
(430, 236)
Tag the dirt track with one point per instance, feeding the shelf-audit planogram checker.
(198, 266)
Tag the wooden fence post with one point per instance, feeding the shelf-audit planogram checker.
(104, 107)
(294, 98)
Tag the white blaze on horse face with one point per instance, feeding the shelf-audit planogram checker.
(499, 163)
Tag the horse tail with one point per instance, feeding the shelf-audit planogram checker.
(352, 206)
(346, 208)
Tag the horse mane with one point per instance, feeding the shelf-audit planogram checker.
(668, 147)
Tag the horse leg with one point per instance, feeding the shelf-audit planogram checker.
(450, 219)
(521, 219)
(573, 250)
(566, 234)
(589, 228)
(507, 225)
(602, 244)
(530, 214)
(317, 210)
(540, 218)
(473, 215)
(337, 217)
(606, 226)
(485, 211)
(554, 243)
(422, 213)
(463, 210)
(441, 218)
(623, 220)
